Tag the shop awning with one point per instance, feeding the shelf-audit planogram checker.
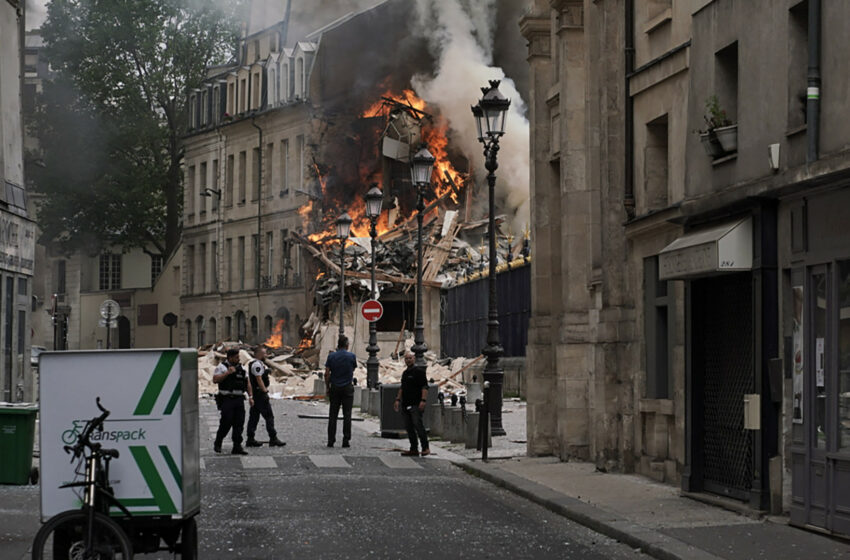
(726, 247)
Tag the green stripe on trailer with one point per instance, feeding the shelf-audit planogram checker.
(175, 472)
(156, 383)
(172, 402)
(153, 480)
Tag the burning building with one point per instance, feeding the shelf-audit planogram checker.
(283, 141)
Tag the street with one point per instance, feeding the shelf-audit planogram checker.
(309, 501)
(306, 500)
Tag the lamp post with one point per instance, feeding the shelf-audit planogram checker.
(343, 228)
(422, 164)
(490, 114)
(374, 200)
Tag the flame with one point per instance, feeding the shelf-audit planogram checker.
(305, 344)
(434, 132)
(275, 340)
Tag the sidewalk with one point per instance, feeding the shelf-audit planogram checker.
(635, 510)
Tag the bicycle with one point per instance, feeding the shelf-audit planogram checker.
(88, 533)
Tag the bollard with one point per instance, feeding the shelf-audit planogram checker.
(484, 422)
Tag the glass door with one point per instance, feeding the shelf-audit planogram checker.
(817, 390)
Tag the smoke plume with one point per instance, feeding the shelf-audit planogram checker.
(460, 36)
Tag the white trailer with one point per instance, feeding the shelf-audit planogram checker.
(153, 399)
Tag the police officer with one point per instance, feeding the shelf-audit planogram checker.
(259, 375)
(232, 383)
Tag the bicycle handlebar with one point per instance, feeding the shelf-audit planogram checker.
(84, 440)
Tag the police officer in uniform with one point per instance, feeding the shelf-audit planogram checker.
(232, 383)
(259, 375)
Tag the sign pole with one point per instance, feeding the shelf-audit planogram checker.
(108, 324)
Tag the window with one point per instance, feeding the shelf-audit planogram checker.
(655, 164)
(256, 174)
(255, 326)
(202, 188)
(301, 162)
(255, 93)
(202, 268)
(214, 262)
(270, 255)
(190, 269)
(285, 264)
(59, 278)
(199, 324)
(188, 332)
(255, 254)
(190, 189)
(243, 95)
(228, 179)
(231, 98)
(726, 80)
(268, 163)
(22, 331)
(284, 167)
(243, 161)
(228, 327)
(156, 268)
(240, 262)
(658, 317)
(228, 247)
(109, 272)
(798, 60)
(216, 198)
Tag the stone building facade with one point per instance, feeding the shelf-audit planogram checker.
(17, 230)
(690, 301)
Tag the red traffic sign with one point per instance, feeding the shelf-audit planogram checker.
(372, 310)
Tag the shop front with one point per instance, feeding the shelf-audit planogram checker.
(819, 325)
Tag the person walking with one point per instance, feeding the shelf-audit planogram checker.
(259, 376)
(339, 380)
(411, 399)
(232, 381)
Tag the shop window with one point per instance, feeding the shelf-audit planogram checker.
(658, 321)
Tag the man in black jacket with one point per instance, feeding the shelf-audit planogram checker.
(411, 399)
(259, 375)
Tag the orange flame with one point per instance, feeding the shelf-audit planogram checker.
(275, 340)
(434, 133)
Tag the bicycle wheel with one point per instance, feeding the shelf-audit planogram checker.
(63, 538)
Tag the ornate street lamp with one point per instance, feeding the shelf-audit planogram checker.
(343, 228)
(490, 115)
(374, 201)
(422, 164)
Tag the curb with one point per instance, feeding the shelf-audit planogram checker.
(648, 541)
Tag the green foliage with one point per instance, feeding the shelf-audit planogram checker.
(715, 117)
(111, 119)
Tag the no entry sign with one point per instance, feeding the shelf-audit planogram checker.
(372, 310)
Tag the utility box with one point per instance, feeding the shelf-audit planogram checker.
(392, 422)
(152, 396)
(752, 411)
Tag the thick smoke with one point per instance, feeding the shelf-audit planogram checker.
(460, 37)
(36, 13)
(306, 16)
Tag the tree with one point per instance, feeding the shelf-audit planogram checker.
(111, 120)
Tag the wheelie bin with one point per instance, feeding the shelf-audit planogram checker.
(17, 435)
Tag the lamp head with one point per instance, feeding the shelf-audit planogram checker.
(343, 226)
(421, 166)
(374, 201)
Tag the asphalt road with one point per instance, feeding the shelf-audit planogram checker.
(309, 501)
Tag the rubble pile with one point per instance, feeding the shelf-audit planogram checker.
(293, 371)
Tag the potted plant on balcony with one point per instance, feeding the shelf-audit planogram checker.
(721, 134)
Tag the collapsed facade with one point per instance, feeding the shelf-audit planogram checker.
(689, 309)
(283, 141)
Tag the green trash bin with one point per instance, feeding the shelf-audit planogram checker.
(17, 435)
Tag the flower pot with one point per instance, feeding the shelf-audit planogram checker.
(728, 137)
(711, 145)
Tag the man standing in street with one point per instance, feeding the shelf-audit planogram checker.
(232, 384)
(259, 375)
(411, 399)
(339, 380)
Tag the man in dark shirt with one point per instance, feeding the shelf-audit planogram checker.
(411, 398)
(339, 380)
